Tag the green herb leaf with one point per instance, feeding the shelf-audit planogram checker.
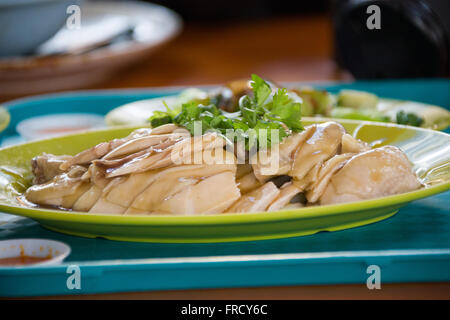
(286, 110)
(409, 119)
(261, 90)
(160, 118)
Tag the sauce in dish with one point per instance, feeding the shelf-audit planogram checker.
(22, 260)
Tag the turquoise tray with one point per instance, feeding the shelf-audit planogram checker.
(411, 246)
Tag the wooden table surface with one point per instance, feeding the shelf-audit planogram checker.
(422, 291)
(291, 48)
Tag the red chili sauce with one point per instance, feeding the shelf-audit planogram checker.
(23, 259)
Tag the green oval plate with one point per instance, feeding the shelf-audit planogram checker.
(428, 150)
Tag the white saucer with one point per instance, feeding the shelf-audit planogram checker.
(54, 125)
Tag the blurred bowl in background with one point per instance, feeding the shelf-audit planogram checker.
(75, 58)
(58, 124)
(25, 24)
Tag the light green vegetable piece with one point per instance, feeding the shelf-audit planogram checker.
(434, 117)
(358, 114)
(357, 99)
(315, 101)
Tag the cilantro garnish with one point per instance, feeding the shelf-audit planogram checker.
(409, 119)
(262, 110)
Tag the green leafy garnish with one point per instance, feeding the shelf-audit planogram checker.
(409, 119)
(264, 118)
(261, 90)
(286, 110)
(160, 118)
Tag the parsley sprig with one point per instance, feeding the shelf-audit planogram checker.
(259, 114)
(411, 119)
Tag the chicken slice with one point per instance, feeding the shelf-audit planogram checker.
(167, 183)
(46, 166)
(283, 156)
(321, 146)
(257, 200)
(312, 175)
(375, 173)
(104, 206)
(248, 183)
(353, 145)
(158, 184)
(203, 198)
(88, 199)
(142, 143)
(183, 151)
(141, 132)
(109, 165)
(125, 192)
(156, 193)
(243, 169)
(327, 170)
(167, 128)
(287, 192)
(62, 190)
(101, 149)
(96, 152)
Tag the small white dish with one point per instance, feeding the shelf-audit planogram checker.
(137, 113)
(58, 124)
(54, 251)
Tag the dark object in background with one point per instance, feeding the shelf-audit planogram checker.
(413, 41)
(233, 10)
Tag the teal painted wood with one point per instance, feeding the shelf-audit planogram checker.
(411, 246)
